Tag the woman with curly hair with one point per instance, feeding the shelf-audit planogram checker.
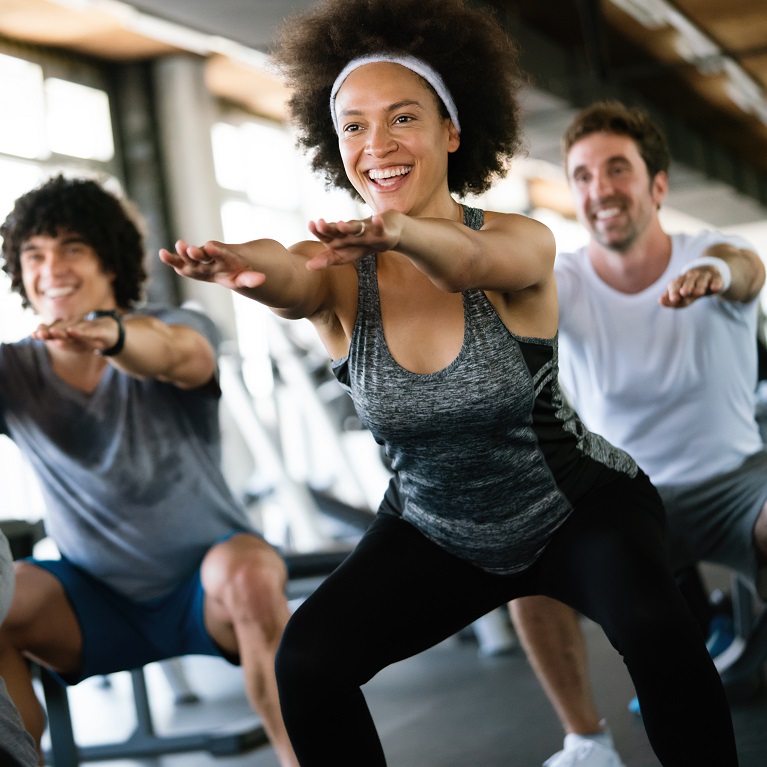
(441, 320)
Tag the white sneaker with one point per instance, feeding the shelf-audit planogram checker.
(583, 751)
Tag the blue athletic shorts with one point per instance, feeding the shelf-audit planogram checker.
(120, 634)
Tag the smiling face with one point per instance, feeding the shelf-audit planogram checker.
(393, 140)
(615, 198)
(63, 277)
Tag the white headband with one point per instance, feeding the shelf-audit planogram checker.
(409, 62)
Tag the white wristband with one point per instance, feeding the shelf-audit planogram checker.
(718, 263)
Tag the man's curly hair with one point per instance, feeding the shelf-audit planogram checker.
(616, 117)
(84, 207)
(466, 45)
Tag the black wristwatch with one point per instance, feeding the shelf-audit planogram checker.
(118, 347)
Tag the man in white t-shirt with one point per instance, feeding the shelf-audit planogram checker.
(658, 354)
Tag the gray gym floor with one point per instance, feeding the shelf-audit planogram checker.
(445, 708)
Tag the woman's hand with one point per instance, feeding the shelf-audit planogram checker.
(348, 241)
(226, 265)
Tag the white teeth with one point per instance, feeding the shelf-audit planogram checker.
(59, 292)
(388, 172)
(607, 213)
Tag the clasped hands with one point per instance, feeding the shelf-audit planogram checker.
(94, 335)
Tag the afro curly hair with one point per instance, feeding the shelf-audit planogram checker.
(84, 207)
(466, 45)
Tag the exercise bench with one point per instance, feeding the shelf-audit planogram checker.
(303, 571)
(143, 741)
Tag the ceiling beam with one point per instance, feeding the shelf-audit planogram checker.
(738, 191)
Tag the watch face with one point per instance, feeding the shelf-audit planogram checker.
(118, 347)
(96, 313)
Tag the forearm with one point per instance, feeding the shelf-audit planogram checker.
(287, 280)
(746, 269)
(262, 270)
(290, 289)
(173, 353)
(445, 251)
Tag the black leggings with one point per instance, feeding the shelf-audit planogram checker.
(398, 594)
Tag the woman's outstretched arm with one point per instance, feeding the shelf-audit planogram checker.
(263, 270)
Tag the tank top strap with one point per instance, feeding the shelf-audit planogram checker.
(474, 218)
(366, 269)
(476, 304)
(369, 306)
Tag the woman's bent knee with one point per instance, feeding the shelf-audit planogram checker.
(315, 652)
(297, 666)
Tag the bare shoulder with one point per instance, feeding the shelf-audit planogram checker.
(527, 234)
(518, 223)
(307, 248)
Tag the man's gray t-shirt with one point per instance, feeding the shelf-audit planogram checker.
(130, 473)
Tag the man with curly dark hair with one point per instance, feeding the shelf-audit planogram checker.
(80, 204)
(441, 320)
(115, 405)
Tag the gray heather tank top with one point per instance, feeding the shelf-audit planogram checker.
(488, 458)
